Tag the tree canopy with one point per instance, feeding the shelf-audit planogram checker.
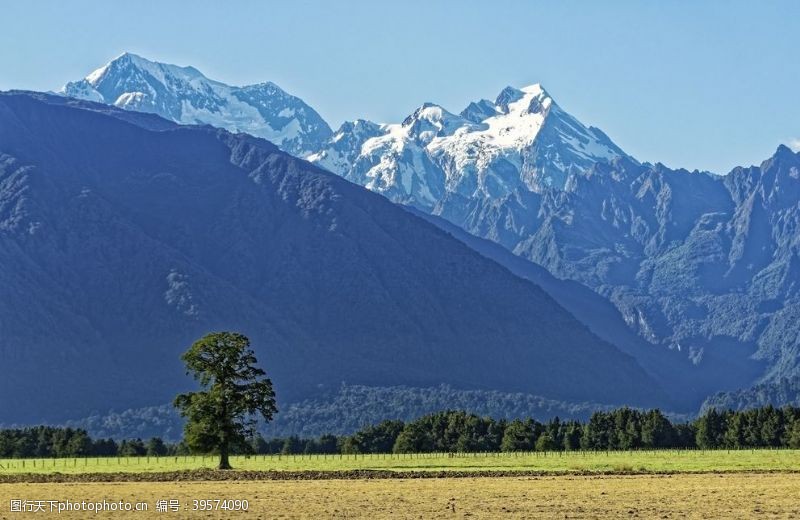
(224, 413)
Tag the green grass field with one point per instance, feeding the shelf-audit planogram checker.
(665, 461)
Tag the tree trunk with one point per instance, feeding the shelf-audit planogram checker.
(223, 458)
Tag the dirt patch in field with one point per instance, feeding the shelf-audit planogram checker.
(733, 495)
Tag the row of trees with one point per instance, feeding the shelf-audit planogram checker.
(621, 429)
(759, 427)
(457, 431)
(221, 418)
(51, 442)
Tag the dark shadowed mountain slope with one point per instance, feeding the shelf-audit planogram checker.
(345, 410)
(124, 238)
(686, 382)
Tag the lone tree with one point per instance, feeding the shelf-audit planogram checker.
(235, 391)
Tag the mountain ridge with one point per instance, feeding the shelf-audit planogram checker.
(134, 255)
(698, 264)
(523, 138)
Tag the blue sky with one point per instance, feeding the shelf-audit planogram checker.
(693, 84)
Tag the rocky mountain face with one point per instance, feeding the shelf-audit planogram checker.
(686, 380)
(701, 264)
(184, 95)
(124, 237)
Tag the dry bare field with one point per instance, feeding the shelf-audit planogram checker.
(733, 495)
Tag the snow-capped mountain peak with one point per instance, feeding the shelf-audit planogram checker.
(185, 95)
(430, 121)
(128, 62)
(522, 139)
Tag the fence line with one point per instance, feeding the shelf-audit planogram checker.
(206, 460)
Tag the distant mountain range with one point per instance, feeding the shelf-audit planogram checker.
(697, 274)
(123, 237)
(184, 95)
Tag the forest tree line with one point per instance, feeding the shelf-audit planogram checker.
(458, 431)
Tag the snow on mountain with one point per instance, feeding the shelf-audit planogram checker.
(522, 139)
(344, 145)
(186, 96)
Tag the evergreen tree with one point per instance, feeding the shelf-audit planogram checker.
(105, 448)
(572, 436)
(291, 446)
(657, 431)
(752, 428)
(771, 426)
(545, 442)
(132, 448)
(414, 438)
(599, 433)
(376, 439)
(519, 436)
(259, 445)
(79, 444)
(626, 424)
(156, 447)
(554, 428)
(476, 435)
(710, 430)
(735, 432)
(494, 435)
(24, 447)
(329, 444)
(793, 440)
(685, 435)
